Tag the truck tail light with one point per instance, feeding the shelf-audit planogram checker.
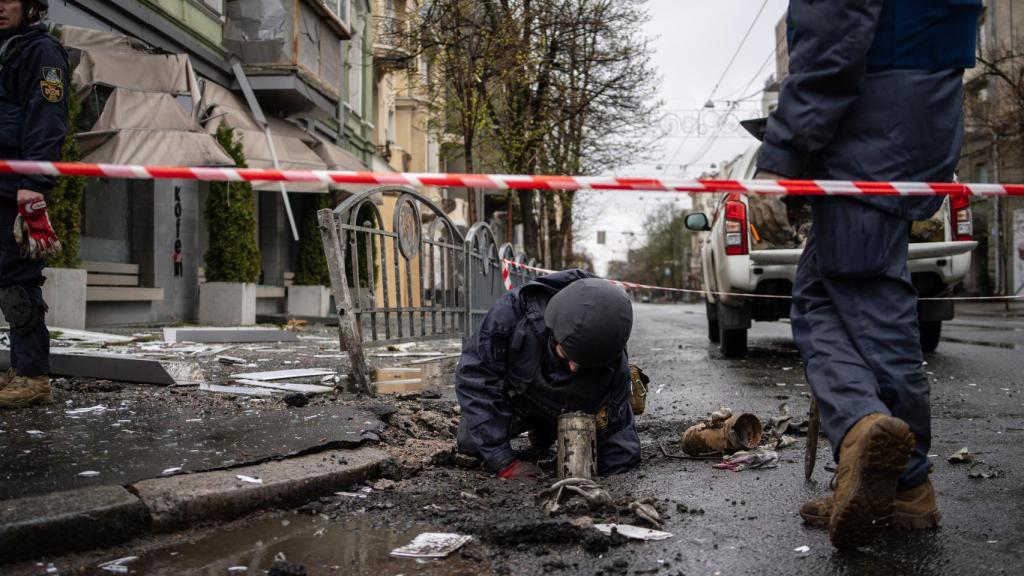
(735, 227)
(961, 217)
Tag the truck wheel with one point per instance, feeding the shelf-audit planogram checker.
(931, 333)
(733, 343)
(712, 312)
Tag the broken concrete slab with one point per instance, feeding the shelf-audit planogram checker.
(285, 374)
(74, 335)
(120, 367)
(182, 501)
(228, 335)
(77, 520)
(287, 386)
(129, 443)
(236, 390)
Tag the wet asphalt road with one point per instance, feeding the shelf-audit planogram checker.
(749, 524)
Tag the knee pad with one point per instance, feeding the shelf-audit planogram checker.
(21, 312)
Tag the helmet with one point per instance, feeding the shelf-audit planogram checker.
(592, 319)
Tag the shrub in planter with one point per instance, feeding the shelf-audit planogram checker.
(233, 255)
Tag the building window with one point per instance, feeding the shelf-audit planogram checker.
(339, 7)
(981, 173)
(355, 72)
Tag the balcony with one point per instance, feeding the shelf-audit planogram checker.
(290, 50)
(392, 38)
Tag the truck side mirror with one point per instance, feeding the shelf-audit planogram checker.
(698, 222)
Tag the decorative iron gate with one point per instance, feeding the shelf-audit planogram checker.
(417, 279)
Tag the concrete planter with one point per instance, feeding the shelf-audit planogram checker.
(312, 301)
(64, 293)
(227, 304)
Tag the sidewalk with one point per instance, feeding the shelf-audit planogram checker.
(991, 309)
(110, 461)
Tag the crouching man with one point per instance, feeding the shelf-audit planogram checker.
(553, 346)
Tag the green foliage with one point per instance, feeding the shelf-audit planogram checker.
(65, 206)
(664, 257)
(311, 269)
(233, 255)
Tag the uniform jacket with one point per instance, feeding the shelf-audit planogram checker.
(509, 371)
(875, 92)
(34, 83)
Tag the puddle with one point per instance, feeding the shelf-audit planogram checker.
(353, 547)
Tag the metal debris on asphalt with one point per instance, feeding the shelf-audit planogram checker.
(961, 456)
(646, 511)
(236, 390)
(284, 374)
(560, 493)
(432, 545)
(89, 410)
(287, 386)
(171, 471)
(89, 474)
(803, 551)
(751, 460)
(632, 532)
(249, 479)
(118, 566)
(231, 360)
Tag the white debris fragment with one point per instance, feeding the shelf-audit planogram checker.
(350, 495)
(236, 569)
(92, 409)
(803, 551)
(51, 569)
(118, 566)
(432, 545)
(35, 433)
(249, 479)
(171, 471)
(633, 532)
(285, 374)
(229, 360)
(89, 474)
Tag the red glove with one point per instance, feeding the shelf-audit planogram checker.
(34, 233)
(519, 470)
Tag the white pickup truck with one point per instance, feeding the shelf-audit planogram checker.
(732, 263)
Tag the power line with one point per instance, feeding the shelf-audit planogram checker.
(739, 48)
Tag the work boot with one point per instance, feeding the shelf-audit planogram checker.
(6, 378)
(913, 509)
(872, 457)
(23, 391)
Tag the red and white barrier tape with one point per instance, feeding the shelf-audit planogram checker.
(511, 182)
(508, 286)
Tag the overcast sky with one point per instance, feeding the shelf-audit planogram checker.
(694, 41)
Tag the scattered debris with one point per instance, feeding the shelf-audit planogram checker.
(723, 432)
(432, 545)
(645, 510)
(632, 532)
(249, 479)
(89, 474)
(983, 471)
(284, 374)
(35, 432)
(287, 387)
(961, 456)
(554, 498)
(72, 335)
(296, 325)
(171, 471)
(760, 458)
(282, 567)
(803, 551)
(236, 390)
(228, 335)
(118, 566)
(361, 495)
(231, 360)
(80, 411)
(123, 367)
(236, 569)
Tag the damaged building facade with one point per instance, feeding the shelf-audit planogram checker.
(304, 85)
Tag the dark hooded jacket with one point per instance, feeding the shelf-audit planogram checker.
(509, 375)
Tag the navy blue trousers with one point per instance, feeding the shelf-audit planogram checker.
(30, 353)
(860, 342)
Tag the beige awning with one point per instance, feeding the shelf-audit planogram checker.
(290, 141)
(89, 39)
(338, 158)
(168, 73)
(149, 128)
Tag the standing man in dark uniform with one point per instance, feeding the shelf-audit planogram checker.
(875, 92)
(555, 345)
(33, 126)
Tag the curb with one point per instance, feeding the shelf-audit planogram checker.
(78, 520)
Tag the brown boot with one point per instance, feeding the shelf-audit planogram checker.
(873, 455)
(24, 391)
(6, 378)
(913, 509)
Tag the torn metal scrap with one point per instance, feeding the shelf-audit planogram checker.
(285, 374)
(554, 498)
(237, 390)
(287, 386)
(632, 532)
(432, 545)
(754, 459)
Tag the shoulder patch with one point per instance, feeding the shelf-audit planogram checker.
(52, 84)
